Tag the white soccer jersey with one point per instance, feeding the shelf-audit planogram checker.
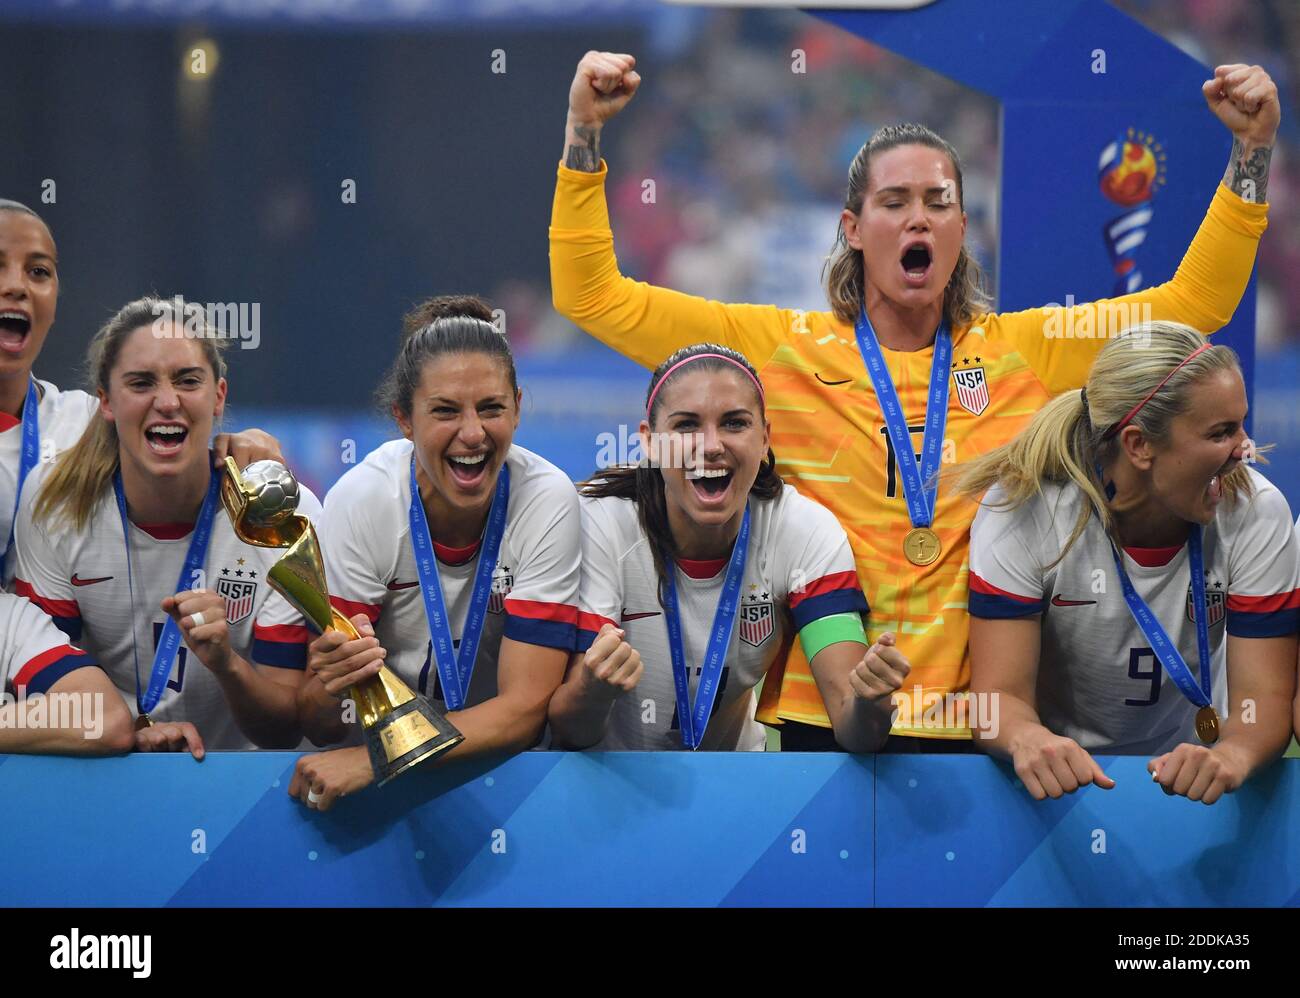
(80, 579)
(799, 569)
(62, 417)
(34, 654)
(1099, 682)
(365, 534)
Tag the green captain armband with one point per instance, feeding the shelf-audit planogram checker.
(828, 630)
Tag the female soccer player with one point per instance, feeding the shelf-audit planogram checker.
(484, 627)
(698, 568)
(905, 305)
(1134, 584)
(37, 420)
(57, 700)
(127, 523)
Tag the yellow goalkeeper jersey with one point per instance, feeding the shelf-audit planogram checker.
(828, 430)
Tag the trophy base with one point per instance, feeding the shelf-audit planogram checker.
(412, 733)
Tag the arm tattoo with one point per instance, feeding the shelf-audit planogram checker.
(1253, 169)
(585, 157)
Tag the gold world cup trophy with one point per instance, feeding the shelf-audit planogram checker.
(402, 728)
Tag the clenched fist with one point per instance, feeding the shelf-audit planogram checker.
(881, 671)
(1244, 98)
(602, 86)
(201, 614)
(611, 664)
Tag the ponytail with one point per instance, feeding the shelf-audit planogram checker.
(1144, 378)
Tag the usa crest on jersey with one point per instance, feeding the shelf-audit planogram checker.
(239, 595)
(972, 389)
(1215, 601)
(502, 582)
(756, 619)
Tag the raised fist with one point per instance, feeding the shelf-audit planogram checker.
(1244, 98)
(602, 86)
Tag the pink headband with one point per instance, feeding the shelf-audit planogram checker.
(1134, 411)
(650, 404)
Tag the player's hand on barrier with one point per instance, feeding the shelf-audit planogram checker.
(601, 88)
(1245, 99)
(245, 447)
(611, 665)
(1051, 765)
(323, 777)
(201, 614)
(882, 670)
(1197, 772)
(170, 736)
(340, 663)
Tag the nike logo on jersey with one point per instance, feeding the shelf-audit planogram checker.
(395, 585)
(846, 381)
(88, 582)
(1058, 601)
(637, 616)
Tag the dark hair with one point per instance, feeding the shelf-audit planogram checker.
(444, 307)
(18, 208)
(964, 296)
(437, 326)
(644, 484)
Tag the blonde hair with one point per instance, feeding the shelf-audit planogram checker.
(964, 296)
(1066, 440)
(83, 473)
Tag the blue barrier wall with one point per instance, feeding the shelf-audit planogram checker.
(636, 829)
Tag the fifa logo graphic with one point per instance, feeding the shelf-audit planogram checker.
(1129, 171)
(503, 581)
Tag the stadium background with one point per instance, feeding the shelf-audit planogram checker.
(225, 186)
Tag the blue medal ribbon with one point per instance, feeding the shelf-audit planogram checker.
(170, 641)
(1165, 650)
(31, 453)
(456, 667)
(724, 622)
(920, 489)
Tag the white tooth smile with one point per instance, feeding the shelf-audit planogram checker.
(476, 459)
(708, 473)
(167, 431)
(14, 315)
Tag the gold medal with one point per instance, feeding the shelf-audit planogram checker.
(1207, 725)
(143, 722)
(921, 546)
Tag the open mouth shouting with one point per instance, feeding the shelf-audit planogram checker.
(15, 324)
(1214, 490)
(711, 485)
(469, 471)
(166, 438)
(916, 261)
